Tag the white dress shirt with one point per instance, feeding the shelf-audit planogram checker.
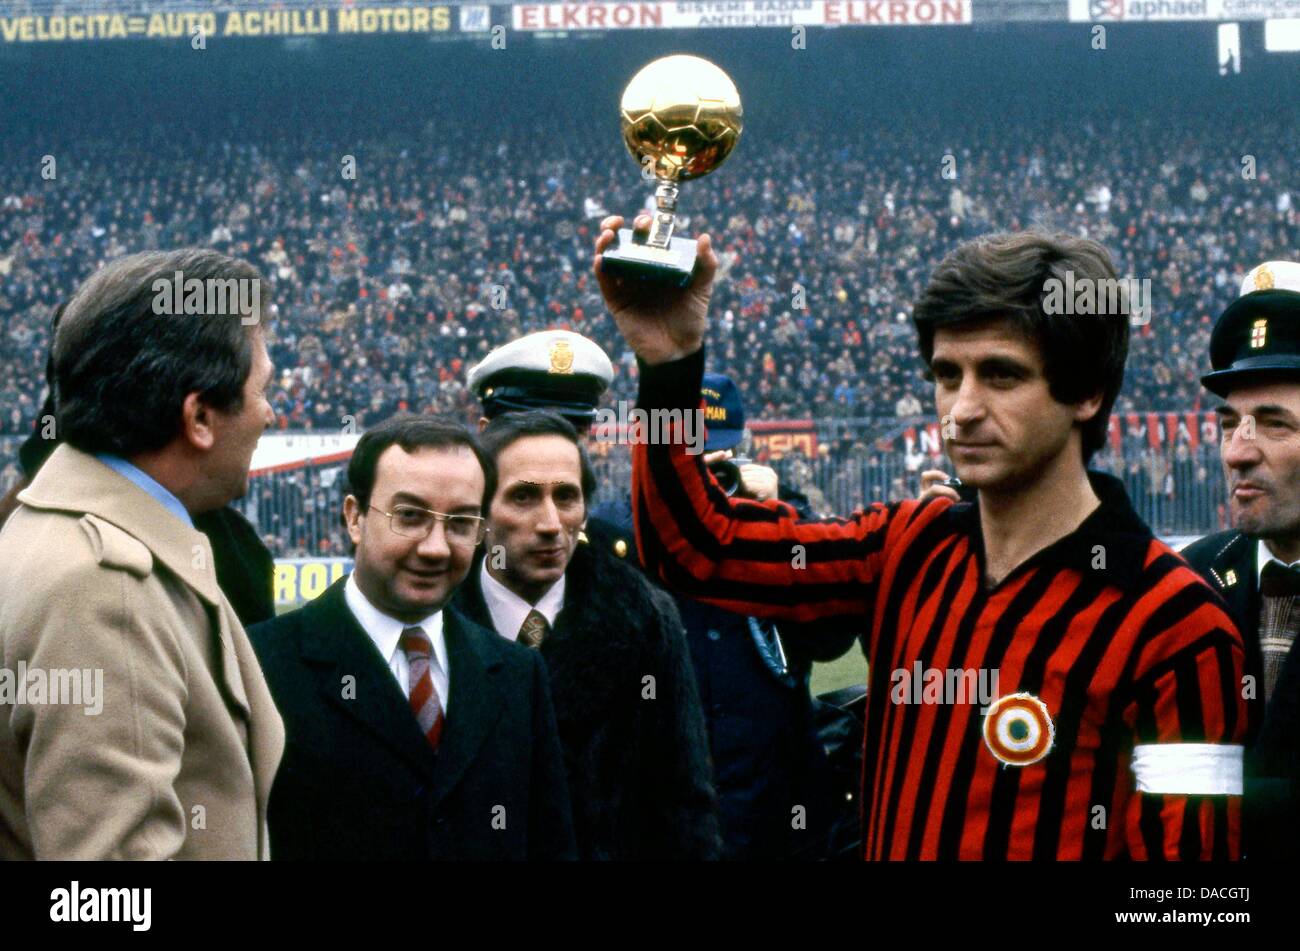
(508, 610)
(386, 632)
(1263, 558)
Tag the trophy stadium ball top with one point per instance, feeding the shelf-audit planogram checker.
(684, 112)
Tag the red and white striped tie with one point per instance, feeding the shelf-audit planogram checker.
(424, 698)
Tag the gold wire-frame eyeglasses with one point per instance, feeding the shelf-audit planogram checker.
(412, 521)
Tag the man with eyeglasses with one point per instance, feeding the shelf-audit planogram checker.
(411, 732)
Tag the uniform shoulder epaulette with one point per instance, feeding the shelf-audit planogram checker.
(115, 548)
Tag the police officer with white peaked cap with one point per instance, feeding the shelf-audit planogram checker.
(551, 369)
(555, 370)
(611, 622)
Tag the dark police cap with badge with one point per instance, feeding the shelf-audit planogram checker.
(552, 369)
(1258, 335)
(724, 413)
(610, 525)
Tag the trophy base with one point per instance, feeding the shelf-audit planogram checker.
(672, 266)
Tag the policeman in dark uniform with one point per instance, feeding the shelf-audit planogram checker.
(771, 768)
(775, 789)
(1255, 353)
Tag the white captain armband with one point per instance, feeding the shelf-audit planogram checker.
(1188, 769)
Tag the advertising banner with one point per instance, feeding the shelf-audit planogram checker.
(741, 13)
(1152, 11)
(301, 579)
(307, 21)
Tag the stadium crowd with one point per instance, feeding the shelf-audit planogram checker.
(392, 267)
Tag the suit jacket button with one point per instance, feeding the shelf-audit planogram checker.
(714, 635)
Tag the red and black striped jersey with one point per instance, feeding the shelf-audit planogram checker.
(1089, 706)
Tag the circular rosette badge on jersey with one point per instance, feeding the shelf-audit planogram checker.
(1018, 730)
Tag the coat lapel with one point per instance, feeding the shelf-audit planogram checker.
(265, 728)
(1236, 571)
(1237, 578)
(232, 667)
(469, 596)
(476, 703)
(336, 647)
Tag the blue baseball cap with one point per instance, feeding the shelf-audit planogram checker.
(724, 413)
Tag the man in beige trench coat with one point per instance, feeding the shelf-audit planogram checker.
(134, 719)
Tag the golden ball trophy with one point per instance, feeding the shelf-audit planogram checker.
(681, 118)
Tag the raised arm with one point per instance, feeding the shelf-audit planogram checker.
(754, 558)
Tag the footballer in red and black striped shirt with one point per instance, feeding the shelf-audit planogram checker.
(1046, 679)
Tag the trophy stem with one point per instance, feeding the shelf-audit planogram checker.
(661, 229)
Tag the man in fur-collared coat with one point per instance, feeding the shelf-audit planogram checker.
(625, 698)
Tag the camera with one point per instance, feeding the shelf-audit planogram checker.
(727, 472)
(966, 492)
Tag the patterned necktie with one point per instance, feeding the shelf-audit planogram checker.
(533, 629)
(1279, 621)
(424, 698)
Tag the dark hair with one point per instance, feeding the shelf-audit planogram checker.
(1004, 276)
(413, 432)
(508, 428)
(35, 448)
(122, 368)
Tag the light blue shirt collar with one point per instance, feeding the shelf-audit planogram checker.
(148, 483)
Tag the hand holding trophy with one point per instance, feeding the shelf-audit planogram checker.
(681, 117)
